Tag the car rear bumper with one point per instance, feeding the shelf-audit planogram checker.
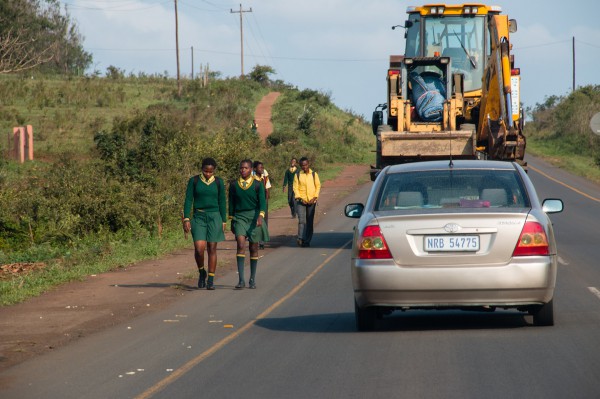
(524, 281)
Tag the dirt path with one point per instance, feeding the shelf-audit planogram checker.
(78, 309)
(262, 114)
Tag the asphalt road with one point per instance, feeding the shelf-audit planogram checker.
(294, 336)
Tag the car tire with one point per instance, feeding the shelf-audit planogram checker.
(365, 318)
(544, 315)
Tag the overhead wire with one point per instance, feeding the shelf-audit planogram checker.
(195, 7)
(587, 44)
(540, 45)
(258, 50)
(268, 56)
(114, 5)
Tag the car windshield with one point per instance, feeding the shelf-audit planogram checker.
(473, 188)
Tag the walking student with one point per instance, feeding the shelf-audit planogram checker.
(205, 206)
(261, 174)
(247, 207)
(288, 181)
(306, 191)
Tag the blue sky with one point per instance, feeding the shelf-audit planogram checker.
(340, 47)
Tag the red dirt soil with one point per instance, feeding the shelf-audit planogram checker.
(262, 114)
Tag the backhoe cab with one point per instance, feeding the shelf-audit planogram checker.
(454, 92)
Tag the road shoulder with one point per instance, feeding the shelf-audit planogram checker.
(81, 308)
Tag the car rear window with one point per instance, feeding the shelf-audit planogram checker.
(452, 189)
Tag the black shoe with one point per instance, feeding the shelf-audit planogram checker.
(210, 286)
(305, 244)
(251, 284)
(261, 246)
(240, 285)
(202, 279)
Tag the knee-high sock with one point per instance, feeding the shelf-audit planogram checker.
(240, 265)
(253, 264)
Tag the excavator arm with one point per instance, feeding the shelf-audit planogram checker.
(499, 134)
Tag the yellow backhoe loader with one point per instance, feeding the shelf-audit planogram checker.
(455, 91)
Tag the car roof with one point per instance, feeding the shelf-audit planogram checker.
(445, 164)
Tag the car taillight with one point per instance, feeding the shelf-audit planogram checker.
(533, 241)
(372, 245)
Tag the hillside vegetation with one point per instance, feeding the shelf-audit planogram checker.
(560, 131)
(113, 156)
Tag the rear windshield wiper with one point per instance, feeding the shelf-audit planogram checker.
(471, 59)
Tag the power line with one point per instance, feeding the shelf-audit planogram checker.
(541, 45)
(115, 6)
(262, 40)
(189, 5)
(309, 59)
(588, 44)
(256, 41)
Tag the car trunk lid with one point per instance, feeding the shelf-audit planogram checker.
(452, 239)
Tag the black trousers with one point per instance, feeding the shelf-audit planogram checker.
(306, 218)
(292, 201)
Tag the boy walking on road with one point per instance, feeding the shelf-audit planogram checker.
(306, 191)
(261, 174)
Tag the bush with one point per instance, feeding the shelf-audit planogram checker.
(119, 173)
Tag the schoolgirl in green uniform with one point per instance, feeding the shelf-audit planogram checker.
(247, 207)
(205, 206)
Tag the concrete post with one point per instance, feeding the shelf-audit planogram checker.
(19, 143)
(29, 143)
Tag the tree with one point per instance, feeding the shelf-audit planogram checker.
(34, 34)
(260, 74)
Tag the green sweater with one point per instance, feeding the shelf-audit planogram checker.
(207, 197)
(252, 198)
(288, 179)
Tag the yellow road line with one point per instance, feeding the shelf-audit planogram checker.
(180, 372)
(564, 184)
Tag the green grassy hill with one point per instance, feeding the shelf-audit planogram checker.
(560, 132)
(113, 156)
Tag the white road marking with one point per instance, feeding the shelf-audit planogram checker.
(595, 291)
(219, 345)
(562, 261)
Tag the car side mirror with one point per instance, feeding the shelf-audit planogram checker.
(354, 210)
(552, 205)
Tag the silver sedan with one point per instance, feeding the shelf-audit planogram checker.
(453, 235)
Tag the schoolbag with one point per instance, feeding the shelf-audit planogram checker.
(300, 170)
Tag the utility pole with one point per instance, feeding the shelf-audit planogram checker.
(192, 62)
(177, 50)
(241, 34)
(573, 63)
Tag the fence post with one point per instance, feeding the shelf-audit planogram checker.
(29, 143)
(22, 146)
(19, 143)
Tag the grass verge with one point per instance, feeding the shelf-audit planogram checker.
(111, 255)
(552, 152)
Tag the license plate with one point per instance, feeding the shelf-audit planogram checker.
(451, 243)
